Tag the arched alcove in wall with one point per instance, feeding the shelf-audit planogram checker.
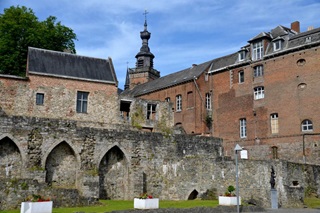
(10, 159)
(113, 175)
(193, 195)
(61, 166)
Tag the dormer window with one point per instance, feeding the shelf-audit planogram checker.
(277, 45)
(242, 55)
(308, 39)
(257, 50)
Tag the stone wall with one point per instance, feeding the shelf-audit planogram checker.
(60, 98)
(117, 163)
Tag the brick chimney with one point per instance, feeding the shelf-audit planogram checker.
(295, 26)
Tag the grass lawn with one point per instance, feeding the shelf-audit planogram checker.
(114, 205)
(312, 202)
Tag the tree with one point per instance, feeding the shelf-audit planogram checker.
(20, 29)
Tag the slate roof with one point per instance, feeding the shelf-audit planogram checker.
(168, 80)
(291, 42)
(66, 65)
(224, 61)
(261, 35)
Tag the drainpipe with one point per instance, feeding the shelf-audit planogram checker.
(194, 80)
(303, 149)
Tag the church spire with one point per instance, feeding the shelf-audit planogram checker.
(144, 71)
(127, 83)
(145, 57)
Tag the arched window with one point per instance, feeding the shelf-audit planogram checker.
(306, 125)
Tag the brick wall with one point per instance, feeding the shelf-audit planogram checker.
(290, 90)
(193, 113)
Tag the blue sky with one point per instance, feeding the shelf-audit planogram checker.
(183, 32)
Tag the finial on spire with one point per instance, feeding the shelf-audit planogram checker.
(145, 19)
(145, 15)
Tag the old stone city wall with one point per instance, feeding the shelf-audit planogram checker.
(77, 165)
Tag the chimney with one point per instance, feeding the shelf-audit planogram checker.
(310, 28)
(295, 26)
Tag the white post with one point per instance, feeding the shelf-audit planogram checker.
(236, 149)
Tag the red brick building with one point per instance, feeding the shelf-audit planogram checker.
(264, 97)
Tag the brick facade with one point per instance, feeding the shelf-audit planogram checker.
(290, 90)
(266, 88)
(193, 112)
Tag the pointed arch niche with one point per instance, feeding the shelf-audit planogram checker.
(10, 159)
(193, 195)
(61, 166)
(113, 175)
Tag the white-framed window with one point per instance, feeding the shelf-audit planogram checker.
(258, 93)
(306, 125)
(274, 121)
(39, 99)
(82, 101)
(277, 45)
(208, 101)
(242, 55)
(167, 99)
(241, 76)
(151, 111)
(257, 50)
(178, 103)
(258, 71)
(243, 128)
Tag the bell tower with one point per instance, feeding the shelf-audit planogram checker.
(144, 71)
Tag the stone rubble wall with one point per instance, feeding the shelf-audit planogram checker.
(58, 156)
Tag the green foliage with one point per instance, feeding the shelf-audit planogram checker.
(310, 191)
(210, 194)
(20, 29)
(137, 119)
(37, 168)
(24, 186)
(92, 172)
(230, 191)
(163, 127)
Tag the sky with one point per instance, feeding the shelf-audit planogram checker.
(183, 32)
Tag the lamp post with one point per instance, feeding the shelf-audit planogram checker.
(237, 148)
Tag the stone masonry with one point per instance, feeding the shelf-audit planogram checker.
(46, 156)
